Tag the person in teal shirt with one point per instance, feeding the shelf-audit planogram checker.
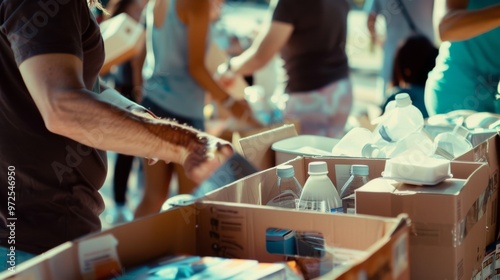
(467, 70)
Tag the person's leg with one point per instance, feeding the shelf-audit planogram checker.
(123, 166)
(10, 259)
(157, 181)
(120, 213)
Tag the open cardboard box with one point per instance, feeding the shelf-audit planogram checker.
(449, 220)
(224, 230)
(452, 260)
(256, 147)
(487, 152)
(254, 189)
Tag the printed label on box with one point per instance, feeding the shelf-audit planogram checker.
(98, 257)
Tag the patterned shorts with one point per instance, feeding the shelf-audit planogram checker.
(322, 111)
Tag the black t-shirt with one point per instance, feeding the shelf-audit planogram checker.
(56, 179)
(315, 53)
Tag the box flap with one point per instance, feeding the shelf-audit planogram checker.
(257, 148)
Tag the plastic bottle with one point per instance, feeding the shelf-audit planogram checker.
(452, 144)
(356, 143)
(319, 193)
(401, 121)
(359, 177)
(287, 190)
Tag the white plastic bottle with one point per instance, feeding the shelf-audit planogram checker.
(287, 190)
(356, 143)
(359, 177)
(319, 193)
(400, 121)
(452, 144)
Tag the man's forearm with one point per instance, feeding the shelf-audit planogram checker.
(106, 121)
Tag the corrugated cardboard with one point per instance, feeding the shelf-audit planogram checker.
(256, 147)
(235, 230)
(448, 236)
(488, 152)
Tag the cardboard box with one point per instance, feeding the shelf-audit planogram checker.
(123, 39)
(488, 152)
(256, 147)
(224, 230)
(254, 189)
(449, 220)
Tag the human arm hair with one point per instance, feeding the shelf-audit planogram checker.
(107, 121)
(456, 23)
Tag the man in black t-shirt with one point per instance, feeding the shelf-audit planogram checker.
(55, 124)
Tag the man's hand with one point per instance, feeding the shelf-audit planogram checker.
(201, 161)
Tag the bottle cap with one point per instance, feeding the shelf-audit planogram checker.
(318, 167)
(358, 169)
(285, 171)
(403, 100)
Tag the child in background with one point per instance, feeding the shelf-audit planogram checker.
(414, 59)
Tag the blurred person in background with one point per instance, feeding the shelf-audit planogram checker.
(414, 59)
(57, 121)
(127, 80)
(467, 70)
(310, 37)
(176, 80)
(397, 29)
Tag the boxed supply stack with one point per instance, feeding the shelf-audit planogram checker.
(372, 246)
(487, 204)
(449, 220)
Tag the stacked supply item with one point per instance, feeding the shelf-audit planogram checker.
(400, 132)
